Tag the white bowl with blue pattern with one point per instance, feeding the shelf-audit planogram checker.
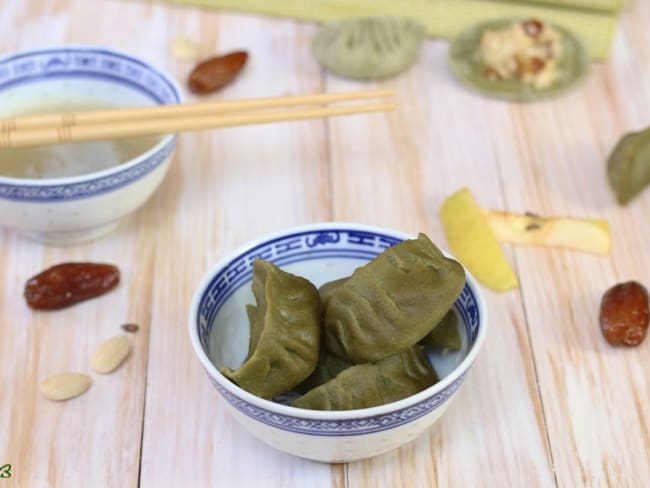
(78, 208)
(219, 331)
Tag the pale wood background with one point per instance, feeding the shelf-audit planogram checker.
(548, 403)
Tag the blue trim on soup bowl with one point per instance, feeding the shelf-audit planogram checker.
(323, 241)
(98, 64)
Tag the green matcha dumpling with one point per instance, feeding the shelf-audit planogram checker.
(326, 292)
(255, 328)
(390, 304)
(285, 333)
(445, 335)
(328, 367)
(368, 48)
(373, 384)
(628, 167)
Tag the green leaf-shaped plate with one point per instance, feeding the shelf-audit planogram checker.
(466, 65)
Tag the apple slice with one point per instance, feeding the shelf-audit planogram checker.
(589, 235)
(473, 243)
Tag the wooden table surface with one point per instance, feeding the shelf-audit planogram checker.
(548, 402)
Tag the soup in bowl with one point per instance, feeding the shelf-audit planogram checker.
(68, 193)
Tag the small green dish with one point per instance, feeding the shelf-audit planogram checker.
(466, 65)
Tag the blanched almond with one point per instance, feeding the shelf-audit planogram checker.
(184, 49)
(111, 354)
(65, 386)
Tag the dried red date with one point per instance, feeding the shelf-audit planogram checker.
(624, 314)
(216, 73)
(68, 283)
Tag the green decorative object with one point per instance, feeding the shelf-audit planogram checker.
(285, 333)
(368, 48)
(468, 68)
(370, 385)
(628, 167)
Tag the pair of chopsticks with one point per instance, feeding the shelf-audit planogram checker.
(36, 130)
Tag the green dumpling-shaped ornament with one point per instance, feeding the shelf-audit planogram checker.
(285, 333)
(368, 48)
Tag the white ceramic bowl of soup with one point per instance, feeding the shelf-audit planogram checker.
(78, 192)
(219, 332)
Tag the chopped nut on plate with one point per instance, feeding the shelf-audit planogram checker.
(526, 50)
(521, 60)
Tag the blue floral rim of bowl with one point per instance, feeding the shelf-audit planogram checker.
(88, 188)
(87, 62)
(342, 427)
(91, 63)
(322, 244)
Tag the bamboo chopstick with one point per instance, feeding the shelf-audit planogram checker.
(11, 124)
(138, 127)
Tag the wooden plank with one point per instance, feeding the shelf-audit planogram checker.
(595, 396)
(227, 187)
(44, 438)
(394, 170)
(95, 439)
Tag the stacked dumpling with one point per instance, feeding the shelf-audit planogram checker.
(285, 333)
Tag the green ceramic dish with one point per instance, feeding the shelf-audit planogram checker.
(466, 65)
